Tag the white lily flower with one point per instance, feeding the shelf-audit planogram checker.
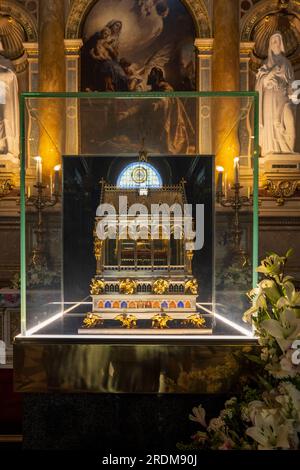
(270, 289)
(291, 299)
(254, 408)
(284, 330)
(269, 432)
(198, 415)
(287, 367)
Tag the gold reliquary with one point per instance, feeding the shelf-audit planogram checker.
(144, 279)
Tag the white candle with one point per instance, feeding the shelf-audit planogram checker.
(225, 185)
(56, 178)
(236, 170)
(38, 169)
(51, 184)
(220, 171)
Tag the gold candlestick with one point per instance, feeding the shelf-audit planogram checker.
(236, 202)
(40, 201)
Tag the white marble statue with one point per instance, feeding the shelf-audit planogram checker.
(9, 110)
(277, 115)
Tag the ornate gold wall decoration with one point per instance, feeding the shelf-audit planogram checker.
(6, 186)
(12, 36)
(80, 9)
(22, 16)
(281, 190)
(262, 10)
(161, 286)
(32, 6)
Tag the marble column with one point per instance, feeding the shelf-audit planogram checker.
(204, 48)
(52, 78)
(226, 77)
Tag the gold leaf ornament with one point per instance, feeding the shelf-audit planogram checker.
(191, 287)
(92, 320)
(195, 320)
(127, 321)
(161, 286)
(127, 286)
(160, 321)
(97, 286)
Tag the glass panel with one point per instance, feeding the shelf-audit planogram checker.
(128, 225)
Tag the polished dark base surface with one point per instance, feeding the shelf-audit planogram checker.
(112, 423)
(165, 367)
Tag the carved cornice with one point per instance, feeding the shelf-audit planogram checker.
(204, 44)
(73, 46)
(21, 15)
(246, 48)
(281, 190)
(31, 48)
(80, 9)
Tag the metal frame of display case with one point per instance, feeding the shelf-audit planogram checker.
(199, 354)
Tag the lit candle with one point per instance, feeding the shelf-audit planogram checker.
(28, 191)
(38, 169)
(56, 178)
(225, 185)
(236, 170)
(220, 171)
(51, 184)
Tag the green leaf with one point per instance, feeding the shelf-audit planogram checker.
(254, 358)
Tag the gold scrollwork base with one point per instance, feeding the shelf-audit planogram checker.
(282, 190)
(6, 186)
(127, 321)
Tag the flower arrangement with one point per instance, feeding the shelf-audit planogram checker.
(265, 416)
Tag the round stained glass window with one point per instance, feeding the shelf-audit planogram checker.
(139, 175)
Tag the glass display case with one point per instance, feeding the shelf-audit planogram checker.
(139, 215)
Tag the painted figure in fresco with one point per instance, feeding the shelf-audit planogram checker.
(175, 124)
(171, 129)
(134, 78)
(157, 80)
(103, 50)
(115, 27)
(277, 117)
(143, 33)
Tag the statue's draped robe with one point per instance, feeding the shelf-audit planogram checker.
(277, 123)
(9, 110)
